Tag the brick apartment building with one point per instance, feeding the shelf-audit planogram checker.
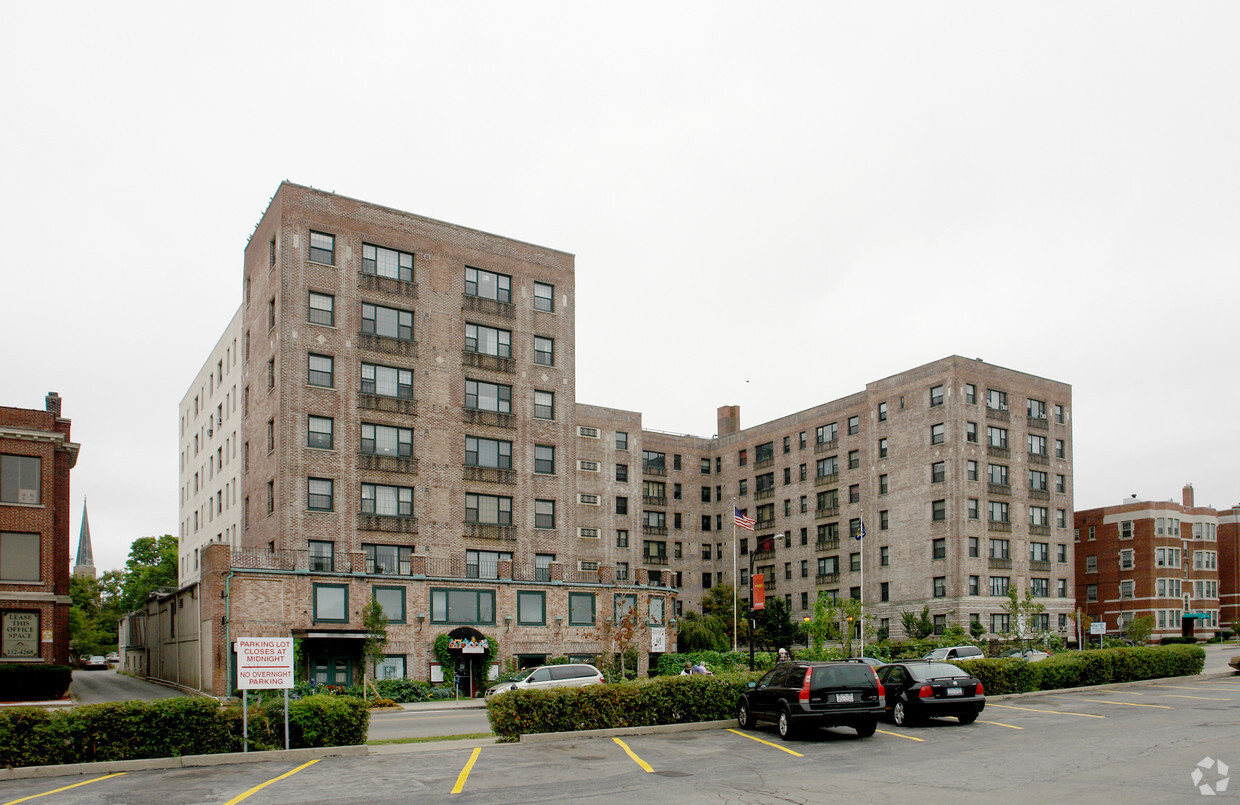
(403, 418)
(1163, 559)
(36, 455)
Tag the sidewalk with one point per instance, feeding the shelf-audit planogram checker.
(444, 704)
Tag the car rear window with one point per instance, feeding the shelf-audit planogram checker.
(843, 676)
(936, 670)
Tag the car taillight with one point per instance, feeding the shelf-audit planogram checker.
(979, 691)
(879, 682)
(926, 692)
(804, 694)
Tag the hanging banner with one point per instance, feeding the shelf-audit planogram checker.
(759, 592)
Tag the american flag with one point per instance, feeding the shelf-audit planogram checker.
(743, 521)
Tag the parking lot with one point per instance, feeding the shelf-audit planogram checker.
(1138, 742)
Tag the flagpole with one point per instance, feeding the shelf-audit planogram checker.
(861, 600)
(735, 580)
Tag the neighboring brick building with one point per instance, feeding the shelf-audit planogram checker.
(36, 455)
(1157, 558)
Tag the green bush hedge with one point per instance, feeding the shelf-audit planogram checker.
(172, 727)
(1080, 668)
(34, 683)
(662, 700)
(398, 690)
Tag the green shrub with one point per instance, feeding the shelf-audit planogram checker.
(34, 683)
(1002, 675)
(1169, 641)
(1081, 668)
(324, 721)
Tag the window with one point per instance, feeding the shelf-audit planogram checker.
(1039, 516)
(998, 474)
(826, 434)
(971, 470)
(490, 453)
(975, 585)
(998, 511)
(854, 427)
(622, 473)
(882, 448)
(20, 557)
(1061, 450)
(622, 505)
(622, 441)
(999, 585)
(622, 539)
(271, 313)
(742, 458)
(996, 400)
(936, 396)
(463, 606)
(581, 609)
(322, 248)
(531, 608)
(488, 284)
(854, 459)
(388, 560)
(389, 263)
(1125, 529)
(974, 509)
(320, 371)
(970, 432)
(387, 322)
(319, 432)
(319, 494)
(1091, 564)
(322, 309)
(1091, 592)
(387, 501)
(827, 466)
(999, 549)
(21, 479)
(938, 548)
(1061, 588)
(1062, 554)
(938, 472)
(1037, 445)
(384, 440)
(544, 514)
(884, 521)
(940, 586)
(1126, 559)
(882, 484)
(387, 381)
(973, 547)
(331, 603)
(544, 405)
(1040, 588)
(1061, 483)
(544, 300)
(544, 351)
(997, 438)
(884, 556)
(392, 599)
(488, 509)
(485, 564)
(938, 510)
(1125, 589)
(488, 340)
(884, 591)
(544, 459)
(882, 412)
(488, 397)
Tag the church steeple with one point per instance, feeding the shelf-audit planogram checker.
(85, 565)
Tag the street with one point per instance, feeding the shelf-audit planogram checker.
(96, 687)
(1135, 743)
(428, 723)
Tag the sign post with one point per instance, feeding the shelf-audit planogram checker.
(263, 662)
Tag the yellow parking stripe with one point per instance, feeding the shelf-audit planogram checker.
(464, 775)
(1197, 687)
(1036, 710)
(768, 743)
(261, 786)
(898, 735)
(1202, 698)
(997, 724)
(636, 759)
(64, 788)
(1129, 704)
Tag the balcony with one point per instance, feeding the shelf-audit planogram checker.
(1040, 564)
(494, 419)
(388, 346)
(654, 500)
(479, 304)
(1040, 530)
(764, 555)
(831, 511)
(386, 523)
(826, 480)
(480, 360)
(997, 452)
(1039, 494)
(490, 531)
(490, 475)
(999, 489)
(999, 525)
(373, 282)
(1000, 414)
(764, 494)
(403, 567)
(769, 583)
(763, 463)
(654, 559)
(1037, 422)
(827, 544)
(1039, 458)
(825, 447)
(377, 463)
(998, 563)
(827, 578)
(654, 530)
(390, 405)
(764, 524)
(656, 470)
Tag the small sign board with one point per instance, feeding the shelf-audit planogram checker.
(264, 662)
(1098, 627)
(658, 639)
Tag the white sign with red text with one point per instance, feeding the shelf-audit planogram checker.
(264, 662)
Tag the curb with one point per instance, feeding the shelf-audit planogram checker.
(184, 762)
(655, 729)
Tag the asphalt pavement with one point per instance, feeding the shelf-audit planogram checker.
(97, 687)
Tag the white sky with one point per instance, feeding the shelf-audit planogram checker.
(768, 207)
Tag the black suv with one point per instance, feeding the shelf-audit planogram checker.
(814, 694)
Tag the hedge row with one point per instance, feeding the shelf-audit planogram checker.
(31, 736)
(1079, 668)
(662, 700)
(34, 683)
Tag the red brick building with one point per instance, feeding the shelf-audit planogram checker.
(36, 455)
(1163, 559)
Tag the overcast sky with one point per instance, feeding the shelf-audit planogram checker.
(770, 205)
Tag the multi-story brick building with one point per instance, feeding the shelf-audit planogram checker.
(36, 455)
(1161, 559)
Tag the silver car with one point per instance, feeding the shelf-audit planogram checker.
(572, 675)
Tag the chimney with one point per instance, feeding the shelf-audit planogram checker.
(729, 419)
(52, 401)
(1188, 496)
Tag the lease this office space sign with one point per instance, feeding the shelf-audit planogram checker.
(264, 662)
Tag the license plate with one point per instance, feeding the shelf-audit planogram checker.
(955, 692)
(843, 697)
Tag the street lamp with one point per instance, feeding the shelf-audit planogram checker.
(753, 619)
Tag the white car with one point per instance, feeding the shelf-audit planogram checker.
(572, 675)
(953, 653)
(1029, 655)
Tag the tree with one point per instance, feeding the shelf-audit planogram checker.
(620, 635)
(775, 628)
(1138, 630)
(852, 612)
(95, 613)
(152, 565)
(718, 602)
(824, 624)
(374, 646)
(1021, 615)
(976, 629)
(703, 632)
(917, 627)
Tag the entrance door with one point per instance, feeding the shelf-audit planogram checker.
(331, 671)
